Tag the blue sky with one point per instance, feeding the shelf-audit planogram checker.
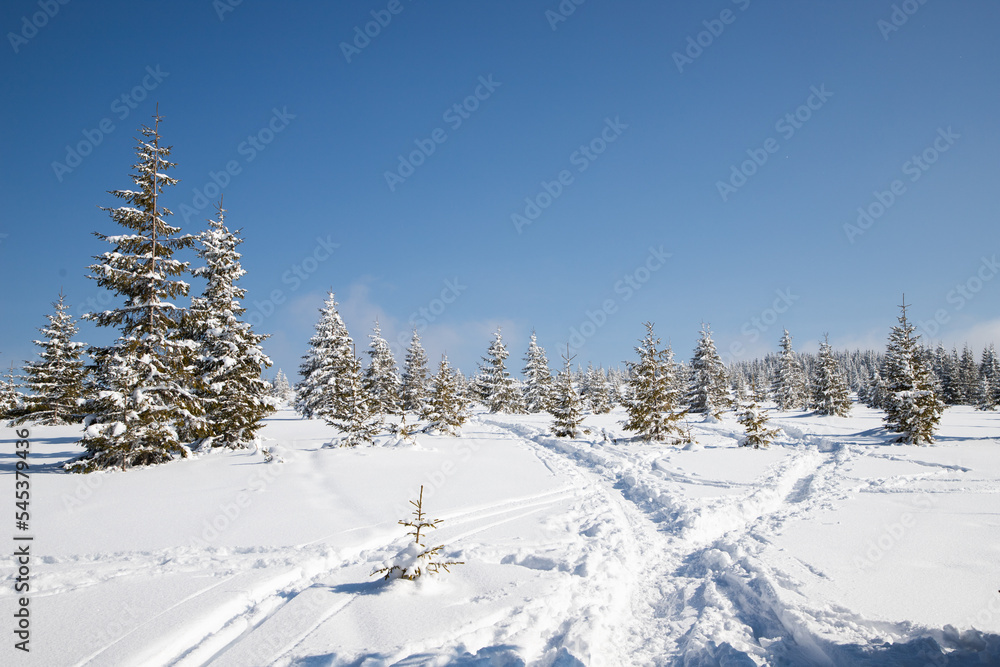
(622, 124)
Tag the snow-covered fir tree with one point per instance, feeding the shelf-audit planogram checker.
(863, 392)
(653, 402)
(912, 406)
(446, 408)
(381, 378)
(831, 395)
(56, 380)
(595, 391)
(329, 369)
(708, 389)
(414, 391)
(416, 559)
(230, 359)
(790, 381)
(755, 421)
(739, 386)
(876, 392)
(616, 386)
(10, 397)
(146, 399)
(565, 405)
(946, 370)
(537, 378)
(354, 412)
(497, 389)
(968, 383)
(989, 371)
(281, 390)
(465, 387)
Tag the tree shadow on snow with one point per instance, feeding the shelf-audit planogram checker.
(491, 656)
(373, 587)
(948, 649)
(9, 457)
(972, 648)
(964, 438)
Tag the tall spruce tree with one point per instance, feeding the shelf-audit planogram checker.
(790, 380)
(146, 398)
(497, 389)
(831, 395)
(414, 389)
(230, 359)
(56, 380)
(653, 402)
(328, 369)
(447, 407)
(565, 403)
(912, 406)
(381, 378)
(708, 391)
(537, 378)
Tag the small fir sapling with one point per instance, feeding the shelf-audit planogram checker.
(416, 559)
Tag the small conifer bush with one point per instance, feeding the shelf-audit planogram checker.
(416, 559)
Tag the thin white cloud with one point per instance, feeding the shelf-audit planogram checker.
(977, 336)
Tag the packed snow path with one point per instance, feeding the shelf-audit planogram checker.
(830, 548)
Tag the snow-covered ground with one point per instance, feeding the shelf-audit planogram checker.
(831, 547)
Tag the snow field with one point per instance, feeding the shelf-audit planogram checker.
(830, 547)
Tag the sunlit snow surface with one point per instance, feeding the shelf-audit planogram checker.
(831, 547)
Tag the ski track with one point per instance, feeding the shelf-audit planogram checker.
(211, 628)
(652, 576)
(702, 591)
